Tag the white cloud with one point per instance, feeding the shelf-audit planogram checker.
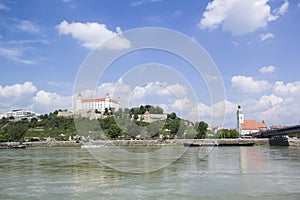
(92, 34)
(267, 69)
(181, 104)
(249, 85)
(26, 96)
(15, 55)
(17, 90)
(266, 36)
(28, 26)
(277, 106)
(16, 96)
(271, 100)
(3, 7)
(118, 89)
(239, 16)
(287, 90)
(282, 9)
(47, 101)
(141, 2)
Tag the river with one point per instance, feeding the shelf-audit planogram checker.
(259, 172)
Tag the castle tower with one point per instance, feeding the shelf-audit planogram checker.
(78, 102)
(240, 119)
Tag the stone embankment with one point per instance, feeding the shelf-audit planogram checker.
(173, 142)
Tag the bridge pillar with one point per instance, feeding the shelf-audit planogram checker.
(278, 141)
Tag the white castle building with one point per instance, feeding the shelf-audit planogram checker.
(99, 104)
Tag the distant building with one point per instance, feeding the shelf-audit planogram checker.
(91, 108)
(17, 115)
(275, 127)
(148, 117)
(246, 127)
(99, 104)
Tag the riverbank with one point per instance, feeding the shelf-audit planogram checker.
(180, 142)
(171, 142)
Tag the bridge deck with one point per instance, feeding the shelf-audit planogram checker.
(278, 132)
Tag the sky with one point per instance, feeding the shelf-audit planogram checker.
(254, 45)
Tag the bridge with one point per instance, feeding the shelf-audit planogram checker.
(278, 132)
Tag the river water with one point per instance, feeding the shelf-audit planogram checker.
(222, 173)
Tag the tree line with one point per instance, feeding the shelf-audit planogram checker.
(117, 124)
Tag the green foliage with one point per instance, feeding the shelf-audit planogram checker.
(201, 129)
(142, 109)
(116, 124)
(225, 133)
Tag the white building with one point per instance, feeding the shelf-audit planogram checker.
(18, 115)
(148, 117)
(246, 127)
(99, 104)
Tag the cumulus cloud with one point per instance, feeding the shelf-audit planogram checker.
(239, 16)
(92, 34)
(27, 96)
(287, 90)
(267, 69)
(276, 106)
(249, 85)
(17, 90)
(266, 36)
(45, 101)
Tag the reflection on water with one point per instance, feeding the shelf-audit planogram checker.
(225, 173)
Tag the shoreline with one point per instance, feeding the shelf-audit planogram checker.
(148, 143)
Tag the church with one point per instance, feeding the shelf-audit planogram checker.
(248, 127)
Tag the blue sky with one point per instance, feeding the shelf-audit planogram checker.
(254, 43)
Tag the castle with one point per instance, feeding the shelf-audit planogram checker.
(99, 104)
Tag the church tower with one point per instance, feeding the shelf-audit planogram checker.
(240, 119)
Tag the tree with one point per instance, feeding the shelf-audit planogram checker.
(133, 129)
(225, 133)
(201, 129)
(171, 116)
(154, 128)
(114, 131)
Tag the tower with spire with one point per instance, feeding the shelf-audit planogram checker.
(240, 119)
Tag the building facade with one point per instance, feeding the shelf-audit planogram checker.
(248, 127)
(148, 117)
(17, 115)
(99, 104)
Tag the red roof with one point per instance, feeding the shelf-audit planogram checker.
(147, 113)
(93, 100)
(98, 100)
(253, 125)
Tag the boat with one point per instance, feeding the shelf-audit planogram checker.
(249, 144)
(191, 145)
(200, 145)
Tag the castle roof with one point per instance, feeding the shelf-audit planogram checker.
(99, 100)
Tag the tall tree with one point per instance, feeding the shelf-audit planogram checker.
(201, 129)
